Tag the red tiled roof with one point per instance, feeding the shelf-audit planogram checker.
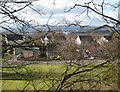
(91, 48)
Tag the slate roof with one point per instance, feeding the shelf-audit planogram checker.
(13, 37)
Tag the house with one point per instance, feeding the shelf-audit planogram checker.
(56, 37)
(78, 41)
(89, 42)
(53, 39)
(27, 54)
(82, 38)
(11, 41)
(102, 40)
(85, 39)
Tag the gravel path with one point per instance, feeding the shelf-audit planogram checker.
(23, 63)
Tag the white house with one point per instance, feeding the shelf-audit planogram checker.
(102, 40)
(46, 40)
(78, 41)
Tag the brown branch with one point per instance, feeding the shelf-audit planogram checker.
(88, 7)
(66, 77)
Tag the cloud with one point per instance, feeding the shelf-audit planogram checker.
(46, 7)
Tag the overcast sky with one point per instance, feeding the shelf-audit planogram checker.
(57, 8)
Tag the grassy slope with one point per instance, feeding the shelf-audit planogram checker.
(38, 73)
(41, 76)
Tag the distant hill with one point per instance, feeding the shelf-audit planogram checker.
(62, 28)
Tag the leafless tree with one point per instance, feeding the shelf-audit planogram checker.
(86, 74)
(111, 50)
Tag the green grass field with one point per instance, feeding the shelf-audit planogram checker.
(42, 76)
(37, 74)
